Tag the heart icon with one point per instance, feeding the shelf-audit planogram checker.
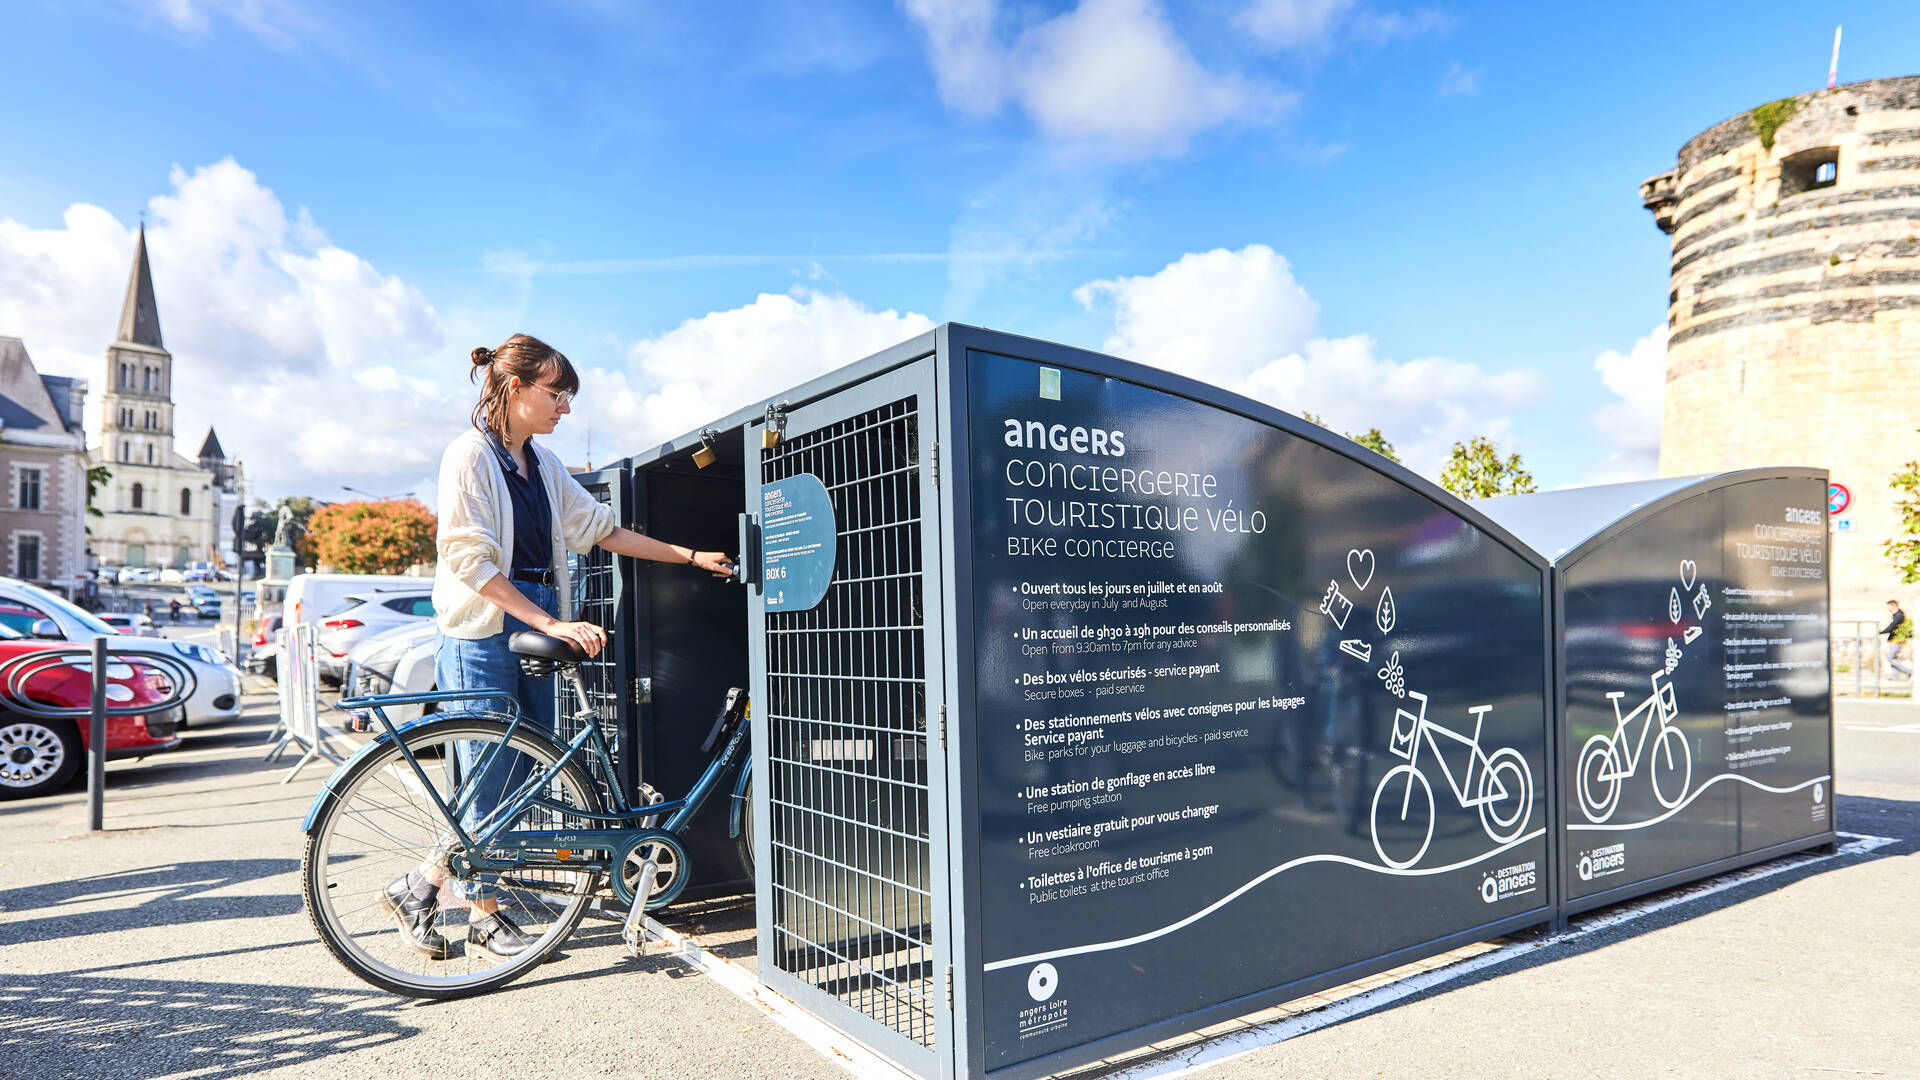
(1687, 570)
(1358, 561)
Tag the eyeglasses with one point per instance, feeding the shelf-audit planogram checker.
(562, 398)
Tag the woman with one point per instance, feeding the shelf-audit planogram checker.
(509, 513)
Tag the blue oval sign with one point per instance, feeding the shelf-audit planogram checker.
(797, 535)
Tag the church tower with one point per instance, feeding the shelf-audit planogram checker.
(159, 509)
(137, 409)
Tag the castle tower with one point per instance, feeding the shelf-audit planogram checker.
(1793, 314)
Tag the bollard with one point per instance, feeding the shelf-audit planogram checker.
(97, 739)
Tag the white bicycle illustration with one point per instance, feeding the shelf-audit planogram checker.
(1405, 796)
(1607, 760)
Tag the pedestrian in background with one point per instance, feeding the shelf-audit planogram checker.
(1898, 632)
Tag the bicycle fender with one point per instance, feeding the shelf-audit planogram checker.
(739, 799)
(325, 794)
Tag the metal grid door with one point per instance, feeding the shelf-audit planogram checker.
(852, 917)
(598, 584)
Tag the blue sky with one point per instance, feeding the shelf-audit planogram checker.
(697, 201)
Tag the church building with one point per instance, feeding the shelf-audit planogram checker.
(160, 509)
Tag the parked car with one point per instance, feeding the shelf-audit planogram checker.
(310, 598)
(127, 622)
(107, 575)
(206, 601)
(39, 755)
(361, 616)
(138, 575)
(399, 661)
(216, 694)
(263, 655)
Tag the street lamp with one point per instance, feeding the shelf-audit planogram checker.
(376, 498)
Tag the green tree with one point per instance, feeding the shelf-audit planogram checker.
(384, 537)
(1903, 551)
(1475, 470)
(97, 477)
(1376, 442)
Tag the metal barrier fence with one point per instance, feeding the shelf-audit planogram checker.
(299, 677)
(846, 716)
(1860, 651)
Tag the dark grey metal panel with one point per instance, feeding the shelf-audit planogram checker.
(1072, 947)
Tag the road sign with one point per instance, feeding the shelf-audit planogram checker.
(1842, 524)
(1838, 498)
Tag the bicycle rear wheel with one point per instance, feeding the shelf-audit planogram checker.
(379, 824)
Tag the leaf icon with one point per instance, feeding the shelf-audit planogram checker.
(1385, 612)
(1673, 605)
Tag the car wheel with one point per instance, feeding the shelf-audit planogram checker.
(36, 756)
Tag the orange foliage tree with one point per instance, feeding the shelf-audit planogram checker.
(384, 537)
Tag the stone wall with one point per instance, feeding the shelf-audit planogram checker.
(1794, 315)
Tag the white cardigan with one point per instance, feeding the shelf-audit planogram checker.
(475, 538)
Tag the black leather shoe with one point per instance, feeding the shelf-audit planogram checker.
(414, 903)
(496, 935)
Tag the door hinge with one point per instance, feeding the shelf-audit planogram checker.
(936, 465)
(949, 987)
(641, 691)
(943, 727)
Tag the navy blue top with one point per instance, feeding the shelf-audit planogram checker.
(532, 514)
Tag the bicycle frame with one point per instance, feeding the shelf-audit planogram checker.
(1425, 727)
(482, 852)
(1659, 705)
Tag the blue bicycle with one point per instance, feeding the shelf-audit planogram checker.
(544, 852)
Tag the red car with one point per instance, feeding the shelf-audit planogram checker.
(40, 754)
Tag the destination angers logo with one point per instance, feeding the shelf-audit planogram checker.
(1602, 861)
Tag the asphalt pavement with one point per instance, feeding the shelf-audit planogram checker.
(174, 944)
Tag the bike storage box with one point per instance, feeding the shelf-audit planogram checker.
(1694, 694)
(1092, 704)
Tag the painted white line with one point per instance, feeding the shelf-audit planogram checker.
(1121, 943)
(1190, 1061)
(1688, 801)
(828, 1041)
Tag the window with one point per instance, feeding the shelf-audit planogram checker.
(139, 493)
(411, 605)
(126, 376)
(1809, 170)
(26, 561)
(123, 452)
(186, 502)
(29, 489)
(149, 453)
(146, 379)
(18, 616)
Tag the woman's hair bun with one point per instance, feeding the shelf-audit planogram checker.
(482, 356)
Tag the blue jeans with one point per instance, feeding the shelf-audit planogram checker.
(482, 665)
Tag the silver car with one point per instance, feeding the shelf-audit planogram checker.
(363, 615)
(399, 661)
(38, 613)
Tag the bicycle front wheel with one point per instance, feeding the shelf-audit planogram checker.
(380, 825)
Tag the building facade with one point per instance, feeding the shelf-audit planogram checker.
(159, 508)
(1794, 307)
(43, 462)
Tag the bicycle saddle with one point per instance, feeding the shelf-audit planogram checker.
(533, 645)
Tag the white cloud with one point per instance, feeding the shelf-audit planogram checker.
(710, 366)
(276, 23)
(1293, 24)
(1630, 427)
(1239, 320)
(315, 367)
(1110, 76)
(1312, 25)
(1458, 81)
